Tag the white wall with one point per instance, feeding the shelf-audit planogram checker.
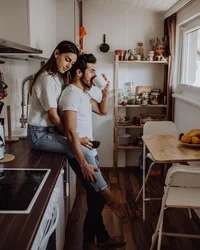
(124, 27)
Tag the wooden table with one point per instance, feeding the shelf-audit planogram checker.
(168, 149)
(165, 149)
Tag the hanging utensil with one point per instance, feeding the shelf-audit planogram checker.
(3, 86)
(1, 106)
(104, 47)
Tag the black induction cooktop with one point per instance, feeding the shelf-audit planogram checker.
(19, 188)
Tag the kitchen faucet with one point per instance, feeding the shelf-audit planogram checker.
(23, 120)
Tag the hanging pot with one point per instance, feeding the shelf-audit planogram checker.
(104, 47)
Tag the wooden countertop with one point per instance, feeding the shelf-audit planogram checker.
(17, 231)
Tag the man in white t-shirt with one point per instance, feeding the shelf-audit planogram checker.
(76, 106)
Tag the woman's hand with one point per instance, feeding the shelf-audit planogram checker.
(85, 141)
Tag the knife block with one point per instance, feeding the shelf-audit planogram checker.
(10, 138)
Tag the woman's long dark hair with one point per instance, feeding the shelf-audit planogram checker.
(51, 67)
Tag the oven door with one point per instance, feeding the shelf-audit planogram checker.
(50, 228)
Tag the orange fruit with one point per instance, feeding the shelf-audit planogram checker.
(186, 138)
(195, 140)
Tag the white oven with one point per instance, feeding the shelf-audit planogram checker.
(48, 234)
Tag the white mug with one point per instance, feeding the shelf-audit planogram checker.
(100, 81)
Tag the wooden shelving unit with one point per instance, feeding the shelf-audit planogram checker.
(145, 62)
(129, 126)
(143, 106)
(165, 107)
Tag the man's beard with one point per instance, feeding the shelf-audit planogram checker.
(85, 83)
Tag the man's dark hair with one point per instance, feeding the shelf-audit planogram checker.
(81, 63)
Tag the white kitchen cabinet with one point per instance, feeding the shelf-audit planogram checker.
(42, 18)
(68, 12)
(14, 25)
(29, 22)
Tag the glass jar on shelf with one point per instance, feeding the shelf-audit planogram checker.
(129, 88)
(140, 50)
(125, 100)
(155, 97)
(120, 96)
(133, 98)
(132, 54)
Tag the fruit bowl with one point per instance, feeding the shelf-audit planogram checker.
(188, 144)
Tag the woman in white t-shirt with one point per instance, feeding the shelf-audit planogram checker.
(44, 123)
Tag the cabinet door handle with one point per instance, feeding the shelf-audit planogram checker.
(67, 189)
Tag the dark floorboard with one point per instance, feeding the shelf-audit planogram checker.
(125, 185)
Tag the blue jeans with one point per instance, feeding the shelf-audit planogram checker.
(49, 139)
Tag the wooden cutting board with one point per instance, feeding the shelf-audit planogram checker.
(140, 89)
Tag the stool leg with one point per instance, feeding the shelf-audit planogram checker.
(160, 231)
(143, 180)
(158, 226)
(147, 176)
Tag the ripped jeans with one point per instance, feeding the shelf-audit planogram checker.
(49, 139)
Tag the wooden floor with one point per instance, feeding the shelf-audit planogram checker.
(125, 184)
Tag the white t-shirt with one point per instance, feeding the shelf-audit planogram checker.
(45, 94)
(75, 99)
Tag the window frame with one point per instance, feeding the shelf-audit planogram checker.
(182, 41)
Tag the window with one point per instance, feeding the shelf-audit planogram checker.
(190, 53)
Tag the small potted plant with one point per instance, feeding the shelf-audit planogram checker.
(159, 44)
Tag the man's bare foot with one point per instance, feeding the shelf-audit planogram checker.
(112, 242)
(90, 246)
(113, 203)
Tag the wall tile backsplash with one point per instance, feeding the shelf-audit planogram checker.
(14, 72)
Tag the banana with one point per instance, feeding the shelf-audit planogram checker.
(195, 133)
(192, 131)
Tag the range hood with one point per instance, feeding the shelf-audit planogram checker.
(8, 47)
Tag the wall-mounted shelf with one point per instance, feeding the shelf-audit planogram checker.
(147, 62)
